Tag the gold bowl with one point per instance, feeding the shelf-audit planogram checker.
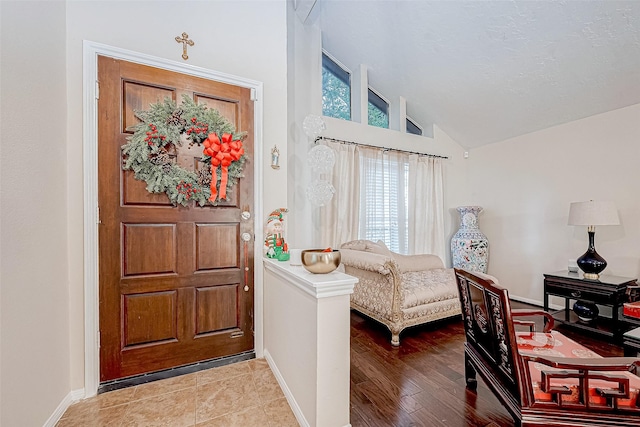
(319, 262)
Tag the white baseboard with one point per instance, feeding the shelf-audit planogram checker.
(73, 396)
(535, 302)
(287, 393)
(77, 395)
(285, 389)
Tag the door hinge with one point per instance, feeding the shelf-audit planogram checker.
(254, 95)
(98, 215)
(97, 89)
(237, 334)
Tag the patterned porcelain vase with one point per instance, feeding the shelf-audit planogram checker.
(469, 247)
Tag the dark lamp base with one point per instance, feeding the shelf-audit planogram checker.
(591, 263)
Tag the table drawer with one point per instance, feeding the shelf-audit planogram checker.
(579, 292)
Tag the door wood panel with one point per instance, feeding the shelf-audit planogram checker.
(150, 317)
(136, 241)
(218, 296)
(171, 278)
(217, 255)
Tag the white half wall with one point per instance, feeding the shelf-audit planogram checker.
(526, 184)
(307, 340)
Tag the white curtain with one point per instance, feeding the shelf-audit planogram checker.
(340, 218)
(426, 210)
(385, 195)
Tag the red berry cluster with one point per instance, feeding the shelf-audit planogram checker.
(187, 189)
(198, 127)
(153, 137)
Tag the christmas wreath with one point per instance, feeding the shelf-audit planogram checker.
(151, 152)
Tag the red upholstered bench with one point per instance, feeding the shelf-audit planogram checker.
(542, 378)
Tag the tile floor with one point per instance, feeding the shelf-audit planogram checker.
(242, 394)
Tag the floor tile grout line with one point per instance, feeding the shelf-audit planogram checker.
(258, 371)
(195, 404)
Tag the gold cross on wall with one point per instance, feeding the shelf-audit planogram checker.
(185, 42)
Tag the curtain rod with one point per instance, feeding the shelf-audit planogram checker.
(342, 141)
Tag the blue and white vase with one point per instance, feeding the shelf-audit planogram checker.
(469, 247)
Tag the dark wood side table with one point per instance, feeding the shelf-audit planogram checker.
(607, 291)
(631, 342)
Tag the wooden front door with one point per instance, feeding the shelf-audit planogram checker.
(176, 283)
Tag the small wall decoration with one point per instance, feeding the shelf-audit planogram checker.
(275, 245)
(320, 192)
(275, 157)
(321, 159)
(185, 42)
(313, 126)
(151, 152)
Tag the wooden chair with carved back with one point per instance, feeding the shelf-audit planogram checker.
(542, 378)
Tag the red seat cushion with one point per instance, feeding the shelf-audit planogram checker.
(558, 345)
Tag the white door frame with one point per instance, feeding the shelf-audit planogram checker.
(91, 50)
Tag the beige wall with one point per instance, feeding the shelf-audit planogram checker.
(304, 50)
(305, 98)
(247, 39)
(525, 185)
(34, 332)
(42, 335)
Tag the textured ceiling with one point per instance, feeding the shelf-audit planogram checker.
(486, 71)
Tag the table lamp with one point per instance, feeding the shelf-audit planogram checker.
(592, 213)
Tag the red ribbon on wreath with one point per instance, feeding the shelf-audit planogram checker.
(222, 153)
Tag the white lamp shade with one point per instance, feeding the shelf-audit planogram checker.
(593, 213)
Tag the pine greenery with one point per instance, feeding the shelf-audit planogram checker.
(162, 126)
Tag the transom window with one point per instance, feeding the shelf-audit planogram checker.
(336, 98)
(378, 110)
(336, 89)
(413, 128)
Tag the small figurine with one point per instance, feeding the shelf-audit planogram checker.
(275, 245)
(275, 157)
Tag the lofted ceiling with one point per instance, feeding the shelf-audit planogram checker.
(486, 71)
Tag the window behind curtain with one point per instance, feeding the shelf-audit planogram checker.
(384, 178)
(385, 195)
